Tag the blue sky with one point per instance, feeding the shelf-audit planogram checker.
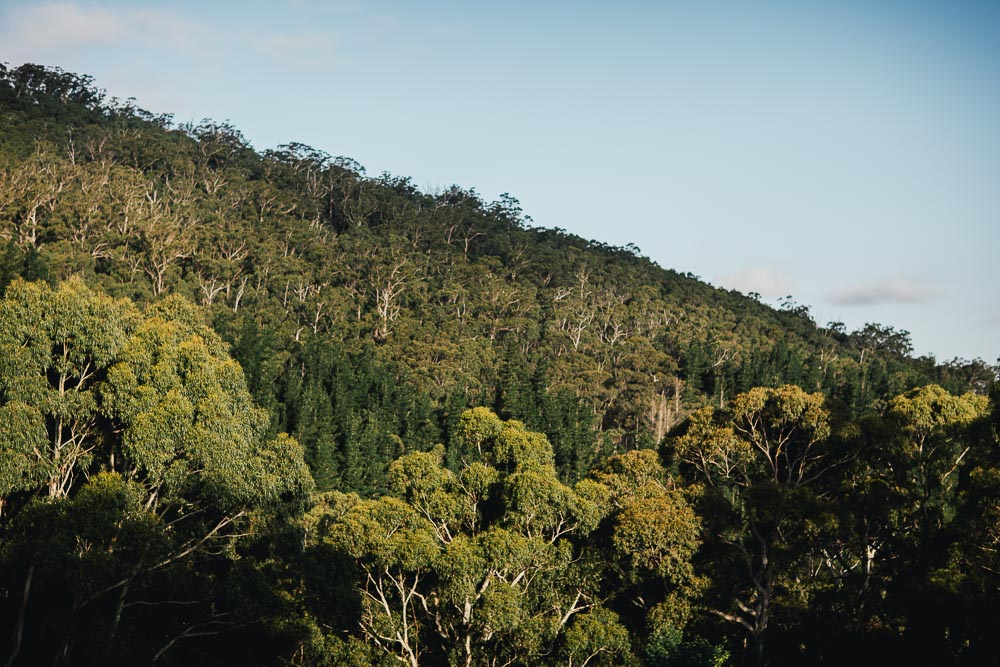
(846, 153)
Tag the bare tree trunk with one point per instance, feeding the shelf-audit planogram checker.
(22, 612)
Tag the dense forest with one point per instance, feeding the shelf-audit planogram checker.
(262, 408)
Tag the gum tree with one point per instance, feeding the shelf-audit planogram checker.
(133, 460)
(758, 460)
(481, 565)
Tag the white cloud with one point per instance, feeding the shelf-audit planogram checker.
(762, 280)
(137, 39)
(46, 30)
(892, 290)
(55, 32)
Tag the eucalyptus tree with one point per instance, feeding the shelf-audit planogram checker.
(481, 566)
(758, 461)
(133, 456)
(648, 543)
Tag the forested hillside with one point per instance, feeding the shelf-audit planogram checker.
(451, 437)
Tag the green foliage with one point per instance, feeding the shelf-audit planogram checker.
(352, 413)
(478, 565)
(816, 494)
(760, 461)
(659, 534)
(597, 637)
(134, 461)
(307, 266)
(188, 420)
(56, 345)
(932, 427)
(22, 463)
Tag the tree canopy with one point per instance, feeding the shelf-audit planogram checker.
(262, 408)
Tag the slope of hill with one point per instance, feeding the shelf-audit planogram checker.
(304, 261)
(639, 480)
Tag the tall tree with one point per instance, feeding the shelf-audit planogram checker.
(758, 460)
(479, 566)
(132, 438)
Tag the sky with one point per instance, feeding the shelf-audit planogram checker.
(844, 153)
